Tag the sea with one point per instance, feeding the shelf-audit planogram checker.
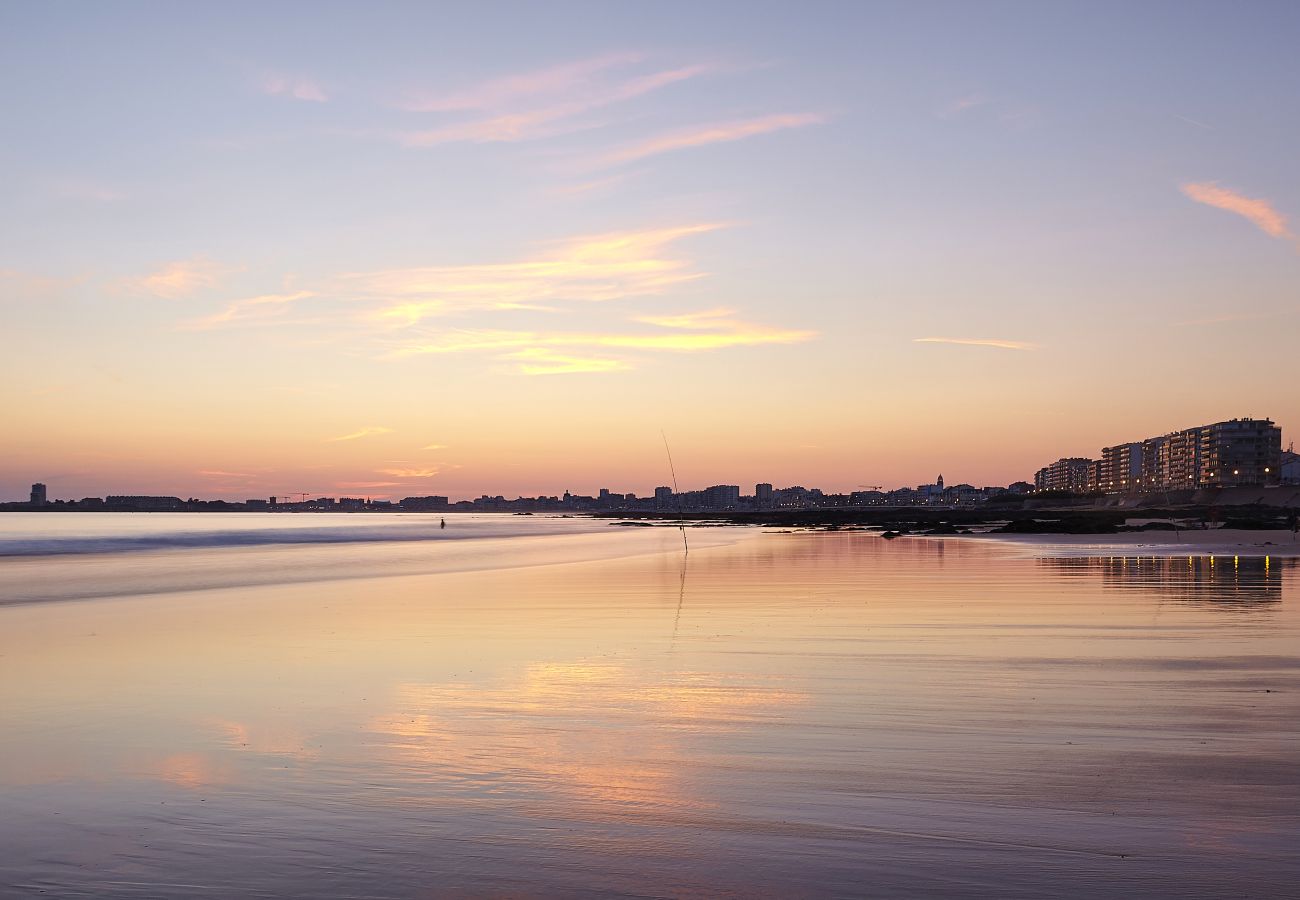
(372, 705)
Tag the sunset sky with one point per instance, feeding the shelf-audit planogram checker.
(393, 250)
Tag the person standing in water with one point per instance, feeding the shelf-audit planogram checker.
(442, 523)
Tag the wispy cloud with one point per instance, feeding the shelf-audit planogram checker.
(1258, 212)
(368, 431)
(410, 473)
(590, 187)
(296, 87)
(554, 352)
(962, 104)
(588, 269)
(976, 342)
(545, 361)
(1195, 122)
(542, 103)
(217, 473)
(707, 318)
(511, 89)
(179, 279)
(1237, 317)
(434, 447)
(703, 135)
(251, 310)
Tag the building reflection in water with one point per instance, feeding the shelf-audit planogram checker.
(1212, 579)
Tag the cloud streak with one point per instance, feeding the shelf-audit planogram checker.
(595, 268)
(511, 89)
(1259, 213)
(703, 135)
(540, 104)
(976, 342)
(962, 104)
(179, 279)
(251, 310)
(367, 431)
(558, 352)
(545, 361)
(297, 88)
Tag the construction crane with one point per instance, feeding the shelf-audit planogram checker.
(872, 487)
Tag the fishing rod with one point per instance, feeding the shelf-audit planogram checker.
(676, 494)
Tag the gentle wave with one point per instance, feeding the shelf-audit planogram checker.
(49, 542)
(214, 539)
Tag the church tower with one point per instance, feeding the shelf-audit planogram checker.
(939, 483)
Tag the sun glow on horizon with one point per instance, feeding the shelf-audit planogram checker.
(284, 267)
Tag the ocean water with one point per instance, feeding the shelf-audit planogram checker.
(370, 706)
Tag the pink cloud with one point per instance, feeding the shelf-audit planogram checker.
(290, 86)
(540, 104)
(1260, 213)
(702, 135)
(976, 342)
(180, 279)
(511, 89)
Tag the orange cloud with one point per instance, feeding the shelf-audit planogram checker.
(595, 268)
(1259, 212)
(976, 342)
(544, 361)
(542, 353)
(368, 431)
(707, 318)
(702, 135)
(251, 309)
(179, 279)
(410, 473)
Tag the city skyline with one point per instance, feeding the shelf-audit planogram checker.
(351, 253)
(1067, 473)
(1238, 452)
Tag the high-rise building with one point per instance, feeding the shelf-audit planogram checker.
(38, 494)
(1224, 454)
(663, 497)
(763, 495)
(1066, 474)
(1121, 468)
(722, 496)
(1241, 452)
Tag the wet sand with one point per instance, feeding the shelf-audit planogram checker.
(775, 715)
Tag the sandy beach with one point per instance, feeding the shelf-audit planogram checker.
(551, 710)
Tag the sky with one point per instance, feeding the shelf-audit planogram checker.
(396, 250)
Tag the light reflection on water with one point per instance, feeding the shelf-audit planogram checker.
(776, 714)
(1206, 579)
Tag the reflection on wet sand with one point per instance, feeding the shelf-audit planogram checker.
(778, 715)
(1209, 579)
(583, 740)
